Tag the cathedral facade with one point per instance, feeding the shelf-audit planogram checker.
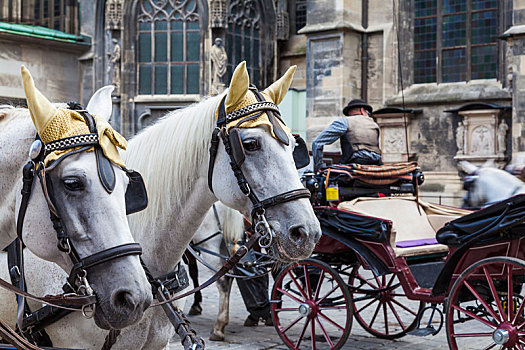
(445, 77)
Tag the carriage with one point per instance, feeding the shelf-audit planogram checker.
(398, 265)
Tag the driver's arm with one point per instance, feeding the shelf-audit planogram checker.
(328, 136)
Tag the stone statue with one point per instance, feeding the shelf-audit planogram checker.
(460, 138)
(115, 65)
(502, 135)
(219, 58)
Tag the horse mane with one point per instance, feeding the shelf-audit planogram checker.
(170, 154)
(232, 224)
(8, 112)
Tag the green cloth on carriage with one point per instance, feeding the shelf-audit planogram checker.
(409, 224)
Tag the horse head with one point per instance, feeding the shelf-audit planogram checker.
(260, 147)
(84, 189)
(486, 184)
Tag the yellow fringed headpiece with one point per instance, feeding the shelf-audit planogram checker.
(55, 123)
(240, 96)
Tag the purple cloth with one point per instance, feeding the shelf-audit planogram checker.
(416, 243)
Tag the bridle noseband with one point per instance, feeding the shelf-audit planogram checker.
(242, 115)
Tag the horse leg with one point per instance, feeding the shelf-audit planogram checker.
(224, 285)
(196, 308)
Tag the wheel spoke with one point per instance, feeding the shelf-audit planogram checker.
(490, 346)
(299, 301)
(375, 315)
(404, 307)
(482, 320)
(285, 309)
(302, 333)
(362, 279)
(327, 295)
(367, 305)
(390, 282)
(471, 335)
(314, 345)
(519, 312)
(495, 295)
(397, 316)
(294, 279)
(293, 323)
(307, 281)
(342, 307)
(331, 321)
(386, 318)
(510, 298)
(325, 334)
(482, 301)
(318, 288)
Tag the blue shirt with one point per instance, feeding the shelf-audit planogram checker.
(328, 136)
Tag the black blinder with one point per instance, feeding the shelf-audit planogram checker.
(300, 152)
(136, 194)
(105, 171)
(236, 145)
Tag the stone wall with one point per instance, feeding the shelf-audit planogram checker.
(54, 66)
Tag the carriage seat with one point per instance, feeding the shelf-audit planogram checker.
(413, 231)
(377, 174)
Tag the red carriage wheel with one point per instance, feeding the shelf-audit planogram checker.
(380, 305)
(487, 303)
(311, 306)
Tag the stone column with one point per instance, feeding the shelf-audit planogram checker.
(333, 62)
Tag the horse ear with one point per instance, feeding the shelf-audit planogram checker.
(489, 163)
(100, 103)
(41, 110)
(238, 87)
(467, 167)
(278, 89)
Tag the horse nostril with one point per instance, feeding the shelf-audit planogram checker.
(124, 299)
(298, 234)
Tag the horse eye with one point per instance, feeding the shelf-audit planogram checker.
(73, 184)
(251, 145)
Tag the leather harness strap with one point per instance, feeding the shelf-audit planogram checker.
(228, 265)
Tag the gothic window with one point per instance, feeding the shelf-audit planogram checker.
(300, 14)
(455, 40)
(243, 41)
(55, 14)
(168, 56)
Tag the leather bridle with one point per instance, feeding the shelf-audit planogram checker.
(240, 116)
(77, 280)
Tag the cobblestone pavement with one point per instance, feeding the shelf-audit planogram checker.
(265, 337)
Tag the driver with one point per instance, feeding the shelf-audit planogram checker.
(359, 136)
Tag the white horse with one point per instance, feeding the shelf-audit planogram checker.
(216, 233)
(94, 219)
(173, 157)
(487, 185)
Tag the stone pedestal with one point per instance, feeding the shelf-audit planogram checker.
(483, 139)
(394, 136)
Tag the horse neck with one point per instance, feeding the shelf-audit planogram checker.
(172, 155)
(16, 134)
